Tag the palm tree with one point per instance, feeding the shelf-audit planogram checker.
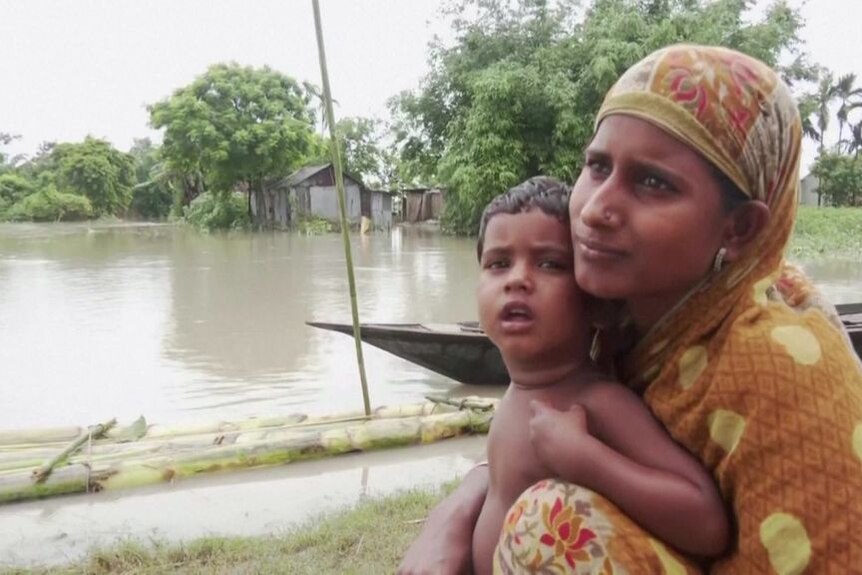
(854, 143)
(845, 91)
(807, 110)
(822, 99)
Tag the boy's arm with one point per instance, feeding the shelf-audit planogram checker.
(446, 540)
(628, 457)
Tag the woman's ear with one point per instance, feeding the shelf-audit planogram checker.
(744, 224)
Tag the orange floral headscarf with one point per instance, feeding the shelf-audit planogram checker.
(767, 396)
(738, 114)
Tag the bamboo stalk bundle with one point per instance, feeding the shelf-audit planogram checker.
(168, 458)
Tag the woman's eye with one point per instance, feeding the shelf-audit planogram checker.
(598, 167)
(656, 183)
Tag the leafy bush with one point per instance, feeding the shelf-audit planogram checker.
(49, 205)
(151, 201)
(218, 211)
(314, 226)
(14, 188)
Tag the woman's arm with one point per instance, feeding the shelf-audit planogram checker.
(628, 457)
(445, 543)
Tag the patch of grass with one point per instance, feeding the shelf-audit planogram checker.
(368, 538)
(314, 226)
(832, 232)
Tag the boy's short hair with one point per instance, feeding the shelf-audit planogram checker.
(549, 195)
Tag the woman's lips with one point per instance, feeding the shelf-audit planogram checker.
(598, 251)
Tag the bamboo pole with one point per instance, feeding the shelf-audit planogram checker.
(339, 184)
(45, 470)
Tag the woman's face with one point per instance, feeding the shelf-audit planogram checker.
(647, 217)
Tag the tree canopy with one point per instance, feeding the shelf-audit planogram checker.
(516, 93)
(235, 125)
(95, 170)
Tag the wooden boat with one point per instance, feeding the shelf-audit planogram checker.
(49, 462)
(464, 353)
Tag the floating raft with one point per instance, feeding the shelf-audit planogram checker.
(51, 462)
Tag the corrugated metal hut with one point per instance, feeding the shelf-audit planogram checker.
(311, 192)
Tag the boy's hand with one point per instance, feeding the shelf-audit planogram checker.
(561, 438)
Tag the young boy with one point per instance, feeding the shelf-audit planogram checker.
(561, 417)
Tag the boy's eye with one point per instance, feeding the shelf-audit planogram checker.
(552, 265)
(496, 264)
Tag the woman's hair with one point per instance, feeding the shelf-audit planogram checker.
(549, 195)
(731, 196)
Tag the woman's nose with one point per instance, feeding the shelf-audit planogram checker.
(603, 208)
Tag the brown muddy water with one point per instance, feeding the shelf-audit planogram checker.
(101, 321)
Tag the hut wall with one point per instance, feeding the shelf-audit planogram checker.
(381, 210)
(413, 207)
(436, 203)
(324, 202)
(271, 207)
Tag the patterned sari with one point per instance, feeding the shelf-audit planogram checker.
(747, 371)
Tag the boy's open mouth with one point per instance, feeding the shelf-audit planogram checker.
(516, 316)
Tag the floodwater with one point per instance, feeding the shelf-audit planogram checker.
(101, 321)
(118, 321)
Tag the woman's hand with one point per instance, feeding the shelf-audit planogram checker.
(445, 544)
(560, 438)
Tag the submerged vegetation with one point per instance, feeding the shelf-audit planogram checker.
(368, 538)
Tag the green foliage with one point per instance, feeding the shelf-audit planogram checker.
(209, 212)
(96, 170)
(516, 93)
(314, 226)
(49, 205)
(840, 178)
(152, 197)
(13, 188)
(236, 125)
(831, 232)
(361, 150)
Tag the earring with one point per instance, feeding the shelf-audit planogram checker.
(719, 259)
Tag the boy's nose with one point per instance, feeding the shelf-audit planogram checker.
(519, 279)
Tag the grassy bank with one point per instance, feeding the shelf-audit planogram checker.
(829, 232)
(369, 538)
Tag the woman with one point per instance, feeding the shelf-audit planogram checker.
(683, 211)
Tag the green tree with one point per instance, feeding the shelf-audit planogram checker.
(360, 147)
(95, 170)
(50, 205)
(236, 126)
(152, 196)
(840, 178)
(849, 96)
(13, 188)
(516, 93)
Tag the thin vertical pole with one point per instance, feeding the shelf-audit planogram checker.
(339, 184)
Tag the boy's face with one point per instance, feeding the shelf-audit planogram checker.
(529, 303)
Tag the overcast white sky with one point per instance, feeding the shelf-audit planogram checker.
(69, 68)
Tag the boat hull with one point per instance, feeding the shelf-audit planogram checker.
(464, 353)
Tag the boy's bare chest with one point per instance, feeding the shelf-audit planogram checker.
(512, 458)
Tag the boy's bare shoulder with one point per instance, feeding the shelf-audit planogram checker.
(602, 392)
